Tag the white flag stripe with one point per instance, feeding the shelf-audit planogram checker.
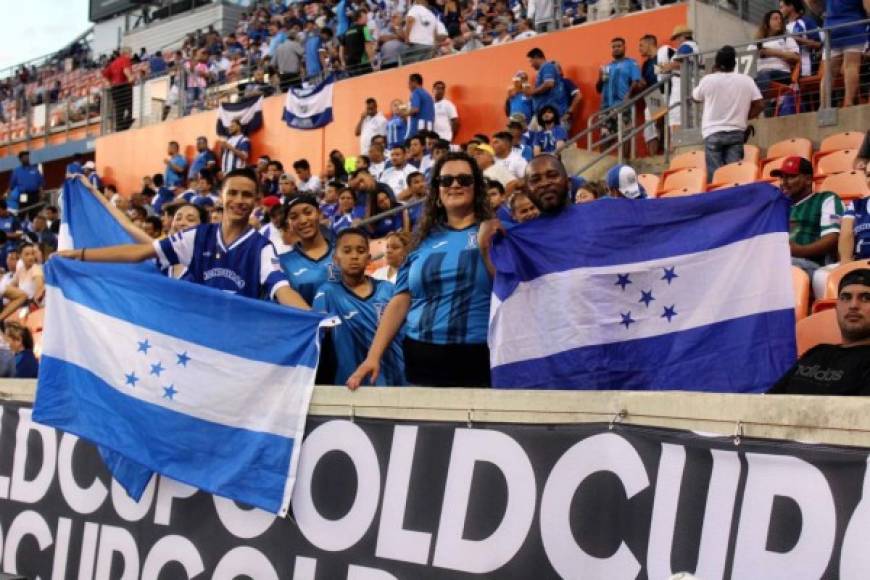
(243, 115)
(529, 324)
(309, 105)
(203, 390)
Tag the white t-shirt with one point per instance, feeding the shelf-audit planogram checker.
(444, 112)
(525, 35)
(397, 178)
(774, 62)
(383, 273)
(371, 126)
(514, 162)
(727, 98)
(312, 185)
(377, 169)
(499, 173)
(424, 27)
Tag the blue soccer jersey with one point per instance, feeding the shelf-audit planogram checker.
(359, 321)
(859, 211)
(307, 275)
(449, 287)
(248, 267)
(397, 127)
(547, 140)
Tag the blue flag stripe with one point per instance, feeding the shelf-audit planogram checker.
(626, 231)
(226, 461)
(141, 299)
(748, 350)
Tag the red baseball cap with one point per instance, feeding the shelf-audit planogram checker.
(794, 165)
(270, 201)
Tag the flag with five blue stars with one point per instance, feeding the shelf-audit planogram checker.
(689, 293)
(205, 387)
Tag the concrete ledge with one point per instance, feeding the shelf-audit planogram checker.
(829, 420)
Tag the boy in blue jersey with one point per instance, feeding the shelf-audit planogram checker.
(420, 111)
(228, 256)
(310, 264)
(359, 300)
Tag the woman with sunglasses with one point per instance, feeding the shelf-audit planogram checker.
(443, 288)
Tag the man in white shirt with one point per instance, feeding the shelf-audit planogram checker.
(308, 183)
(396, 175)
(422, 30)
(507, 156)
(372, 122)
(446, 117)
(524, 30)
(485, 157)
(730, 100)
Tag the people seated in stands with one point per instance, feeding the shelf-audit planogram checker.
(829, 369)
(730, 99)
(396, 175)
(359, 300)
(507, 156)
(381, 203)
(522, 208)
(309, 265)
(485, 157)
(814, 219)
(443, 290)
(28, 274)
(621, 181)
(307, 183)
(551, 136)
(344, 216)
(395, 253)
(20, 341)
(590, 191)
(776, 58)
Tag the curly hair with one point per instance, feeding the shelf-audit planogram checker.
(434, 215)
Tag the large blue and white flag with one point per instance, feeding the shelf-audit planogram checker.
(248, 112)
(690, 293)
(309, 108)
(205, 387)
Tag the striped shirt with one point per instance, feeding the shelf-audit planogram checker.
(230, 160)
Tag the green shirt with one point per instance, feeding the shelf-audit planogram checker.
(814, 217)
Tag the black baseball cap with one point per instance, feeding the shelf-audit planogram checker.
(859, 276)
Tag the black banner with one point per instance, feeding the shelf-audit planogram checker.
(378, 499)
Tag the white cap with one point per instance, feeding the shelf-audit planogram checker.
(624, 179)
(89, 165)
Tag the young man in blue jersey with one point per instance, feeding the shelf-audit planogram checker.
(359, 300)
(420, 111)
(310, 264)
(229, 256)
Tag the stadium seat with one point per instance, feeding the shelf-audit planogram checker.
(751, 154)
(801, 292)
(680, 192)
(770, 165)
(819, 328)
(788, 147)
(845, 140)
(693, 159)
(650, 182)
(733, 174)
(848, 185)
(836, 162)
(691, 178)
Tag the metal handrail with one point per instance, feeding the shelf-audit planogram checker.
(389, 212)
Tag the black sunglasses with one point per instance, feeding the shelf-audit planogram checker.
(464, 179)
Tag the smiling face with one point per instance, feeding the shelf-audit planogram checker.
(305, 221)
(239, 197)
(456, 197)
(186, 217)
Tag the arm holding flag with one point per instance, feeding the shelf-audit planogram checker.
(137, 234)
(485, 235)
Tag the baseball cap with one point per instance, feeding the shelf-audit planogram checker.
(519, 118)
(303, 199)
(486, 147)
(859, 276)
(270, 200)
(89, 165)
(794, 165)
(624, 179)
(680, 29)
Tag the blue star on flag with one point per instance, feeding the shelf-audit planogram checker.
(131, 379)
(646, 297)
(157, 368)
(623, 280)
(670, 312)
(627, 320)
(183, 359)
(144, 346)
(169, 392)
(670, 274)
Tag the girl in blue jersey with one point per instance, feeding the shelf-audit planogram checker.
(359, 300)
(443, 289)
(309, 265)
(229, 256)
(383, 201)
(343, 217)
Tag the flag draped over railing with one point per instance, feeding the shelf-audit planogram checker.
(248, 112)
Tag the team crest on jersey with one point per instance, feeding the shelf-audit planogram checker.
(333, 273)
(379, 309)
(472, 241)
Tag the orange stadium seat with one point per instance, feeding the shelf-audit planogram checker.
(732, 174)
(820, 328)
(680, 192)
(801, 292)
(650, 182)
(788, 147)
(848, 185)
(845, 140)
(769, 166)
(837, 274)
(692, 179)
(693, 159)
(836, 162)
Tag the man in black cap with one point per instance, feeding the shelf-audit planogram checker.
(829, 369)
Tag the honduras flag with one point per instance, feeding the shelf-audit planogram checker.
(249, 113)
(205, 387)
(690, 293)
(309, 108)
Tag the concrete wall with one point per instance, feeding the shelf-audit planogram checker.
(714, 26)
(769, 131)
